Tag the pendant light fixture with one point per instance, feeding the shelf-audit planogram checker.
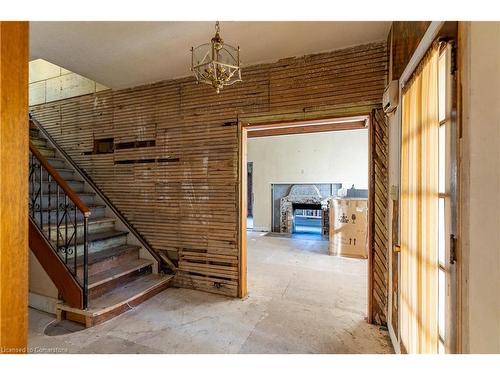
(216, 63)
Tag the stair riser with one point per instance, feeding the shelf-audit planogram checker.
(47, 152)
(99, 245)
(97, 212)
(119, 281)
(38, 142)
(108, 263)
(57, 163)
(92, 228)
(94, 247)
(65, 174)
(86, 198)
(76, 186)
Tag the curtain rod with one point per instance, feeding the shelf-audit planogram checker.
(426, 42)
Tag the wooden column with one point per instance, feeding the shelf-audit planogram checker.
(13, 187)
(242, 259)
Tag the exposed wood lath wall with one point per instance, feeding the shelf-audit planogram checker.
(406, 36)
(379, 205)
(185, 199)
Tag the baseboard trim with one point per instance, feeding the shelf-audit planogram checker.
(258, 229)
(394, 339)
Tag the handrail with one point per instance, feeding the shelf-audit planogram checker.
(56, 211)
(60, 181)
(159, 258)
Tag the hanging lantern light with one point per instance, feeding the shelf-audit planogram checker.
(216, 63)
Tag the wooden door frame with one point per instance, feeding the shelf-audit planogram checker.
(242, 207)
(371, 220)
(301, 127)
(14, 139)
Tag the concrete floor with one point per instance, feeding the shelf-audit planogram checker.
(300, 301)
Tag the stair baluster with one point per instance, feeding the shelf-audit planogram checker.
(43, 180)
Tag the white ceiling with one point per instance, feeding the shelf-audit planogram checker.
(126, 54)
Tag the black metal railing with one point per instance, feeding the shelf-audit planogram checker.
(164, 263)
(61, 217)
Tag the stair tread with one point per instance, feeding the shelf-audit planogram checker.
(38, 140)
(100, 236)
(107, 253)
(97, 220)
(67, 181)
(80, 194)
(127, 292)
(122, 295)
(62, 169)
(120, 270)
(51, 158)
(54, 158)
(91, 206)
(103, 235)
(45, 148)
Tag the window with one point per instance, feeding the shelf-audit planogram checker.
(427, 193)
(419, 208)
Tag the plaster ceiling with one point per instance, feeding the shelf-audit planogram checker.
(126, 54)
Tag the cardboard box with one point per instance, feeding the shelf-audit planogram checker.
(348, 227)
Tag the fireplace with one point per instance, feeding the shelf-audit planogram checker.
(307, 218)
(301, 197)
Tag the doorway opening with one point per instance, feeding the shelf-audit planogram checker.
(300, 172)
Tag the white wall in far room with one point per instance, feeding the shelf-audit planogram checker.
(331, 157)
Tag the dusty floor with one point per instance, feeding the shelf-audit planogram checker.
(301, 301)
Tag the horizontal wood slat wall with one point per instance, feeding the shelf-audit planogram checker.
(185, 202)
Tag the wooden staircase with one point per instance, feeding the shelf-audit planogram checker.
(118, 278)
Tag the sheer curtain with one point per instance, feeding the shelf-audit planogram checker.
(419, 209)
